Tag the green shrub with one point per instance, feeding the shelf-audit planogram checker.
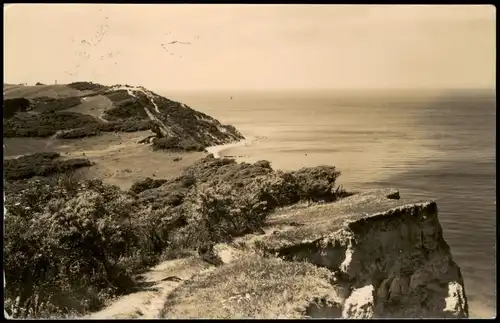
(84, 86)
(127, 109)
(175, 144)
(226, 169)
(170, 193)
(66, 246)
(12, 106)
(118, 96)
(146, 184)
(46, 124)
(317, 183)
(70, 245)
(279, 189)
(217, 213)
(135, 125)
(131, 125)
(40, 164)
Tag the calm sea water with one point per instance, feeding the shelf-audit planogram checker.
(429, 145)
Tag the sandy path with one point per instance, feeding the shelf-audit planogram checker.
(157, 283)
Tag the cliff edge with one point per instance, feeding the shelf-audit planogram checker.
(370, 255)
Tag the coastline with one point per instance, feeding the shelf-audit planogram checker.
(119, 307)
(218, 149)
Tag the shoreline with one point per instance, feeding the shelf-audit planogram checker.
(218, 149)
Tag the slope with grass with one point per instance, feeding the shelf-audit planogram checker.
(72, 245)
(370, 255)
(85, 109)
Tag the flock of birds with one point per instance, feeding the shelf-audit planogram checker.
(86, 46)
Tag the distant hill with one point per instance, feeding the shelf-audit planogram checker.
(87, 109)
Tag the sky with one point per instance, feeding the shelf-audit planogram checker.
(252, 47)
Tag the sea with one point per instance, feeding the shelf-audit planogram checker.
(429, 144)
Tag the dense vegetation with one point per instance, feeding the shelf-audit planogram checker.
(66, 125)
(40, 164)
(126, 109)
(96, 129)
(45, 124)
(12, 106)
(87, 86)
(195, 125)
(176, 144)
(190, 128)
(70, 245)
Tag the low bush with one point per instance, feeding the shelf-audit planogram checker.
(85, 86)
(146, 184)
(40, 164)
(72, 125)
(218, 213)
(46, 124)
(118, 96)
(318, 183)
(126, 106)
(176, 144)
(65, 248)
(12, 106)
(127, 109)
(171, 193)
(131, 125)
(227, 169)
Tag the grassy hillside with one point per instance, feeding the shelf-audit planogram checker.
(86, 109)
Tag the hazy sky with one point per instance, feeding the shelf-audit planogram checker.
(251, 46)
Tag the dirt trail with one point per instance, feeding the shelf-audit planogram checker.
(156, 285)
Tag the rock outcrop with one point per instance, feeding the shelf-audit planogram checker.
(370, 255)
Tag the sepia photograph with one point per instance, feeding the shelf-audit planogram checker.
(249, 161)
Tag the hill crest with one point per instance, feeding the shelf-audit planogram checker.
(84, 109)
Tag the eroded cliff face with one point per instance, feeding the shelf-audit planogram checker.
(376, 256)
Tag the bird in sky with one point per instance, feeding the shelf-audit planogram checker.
(179, 42)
